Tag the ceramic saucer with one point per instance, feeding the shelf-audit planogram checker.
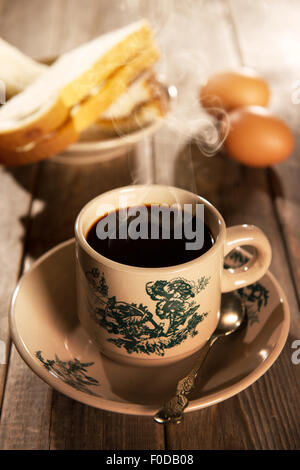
(91, 148)
(51, 341)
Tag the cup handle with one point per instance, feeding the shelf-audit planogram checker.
(240, 235)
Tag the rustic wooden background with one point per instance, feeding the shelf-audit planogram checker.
(217, 35)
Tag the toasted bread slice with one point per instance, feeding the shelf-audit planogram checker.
(139, 92)
(144, 89)
(81, 116)
(142, 103)
(46, 104)
(49, 145)
(141, 116)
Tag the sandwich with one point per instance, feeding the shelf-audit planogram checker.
(74, 93)
(142, 103)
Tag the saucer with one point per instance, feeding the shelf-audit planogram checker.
(48, 336)
(91, 148)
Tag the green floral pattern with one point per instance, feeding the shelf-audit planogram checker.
(135, 326)
(72, 373)
(175, 308)
(256, 295)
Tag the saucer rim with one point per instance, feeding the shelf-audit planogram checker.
(131, 408)
(125, 140)
(81, 153)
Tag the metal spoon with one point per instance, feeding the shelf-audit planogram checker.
(233, 317)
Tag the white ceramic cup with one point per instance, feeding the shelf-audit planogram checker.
(152, 316)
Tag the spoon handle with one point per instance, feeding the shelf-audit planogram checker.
(172, 410)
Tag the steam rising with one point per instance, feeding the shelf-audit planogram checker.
(183, 67)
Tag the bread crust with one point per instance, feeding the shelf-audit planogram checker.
(76, 91)
(142, 115)
(87, 112)
(50, 145)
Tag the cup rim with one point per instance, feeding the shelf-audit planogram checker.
(82, 242)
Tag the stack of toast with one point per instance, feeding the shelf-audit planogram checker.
(108, 82)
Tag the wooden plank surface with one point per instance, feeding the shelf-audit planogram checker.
(45, 419)
(280, 41)
(258, 417)
(265, 416)
(15, 202)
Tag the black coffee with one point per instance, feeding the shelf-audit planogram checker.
(144, 238)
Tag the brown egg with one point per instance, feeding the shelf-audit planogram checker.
(257, 138)
(231, 90)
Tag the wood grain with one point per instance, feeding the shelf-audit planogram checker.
(258, 417)
(77, 426)
(56, 188)
(267, 413)
(15, 203)
(59, 187)
(280, 39)
(25, 419)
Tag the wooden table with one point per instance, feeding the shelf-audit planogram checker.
(217, 35)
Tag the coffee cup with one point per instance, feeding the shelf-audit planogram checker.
(148, 316)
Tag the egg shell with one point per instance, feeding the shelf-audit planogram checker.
(257, 138)
(231, 90)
